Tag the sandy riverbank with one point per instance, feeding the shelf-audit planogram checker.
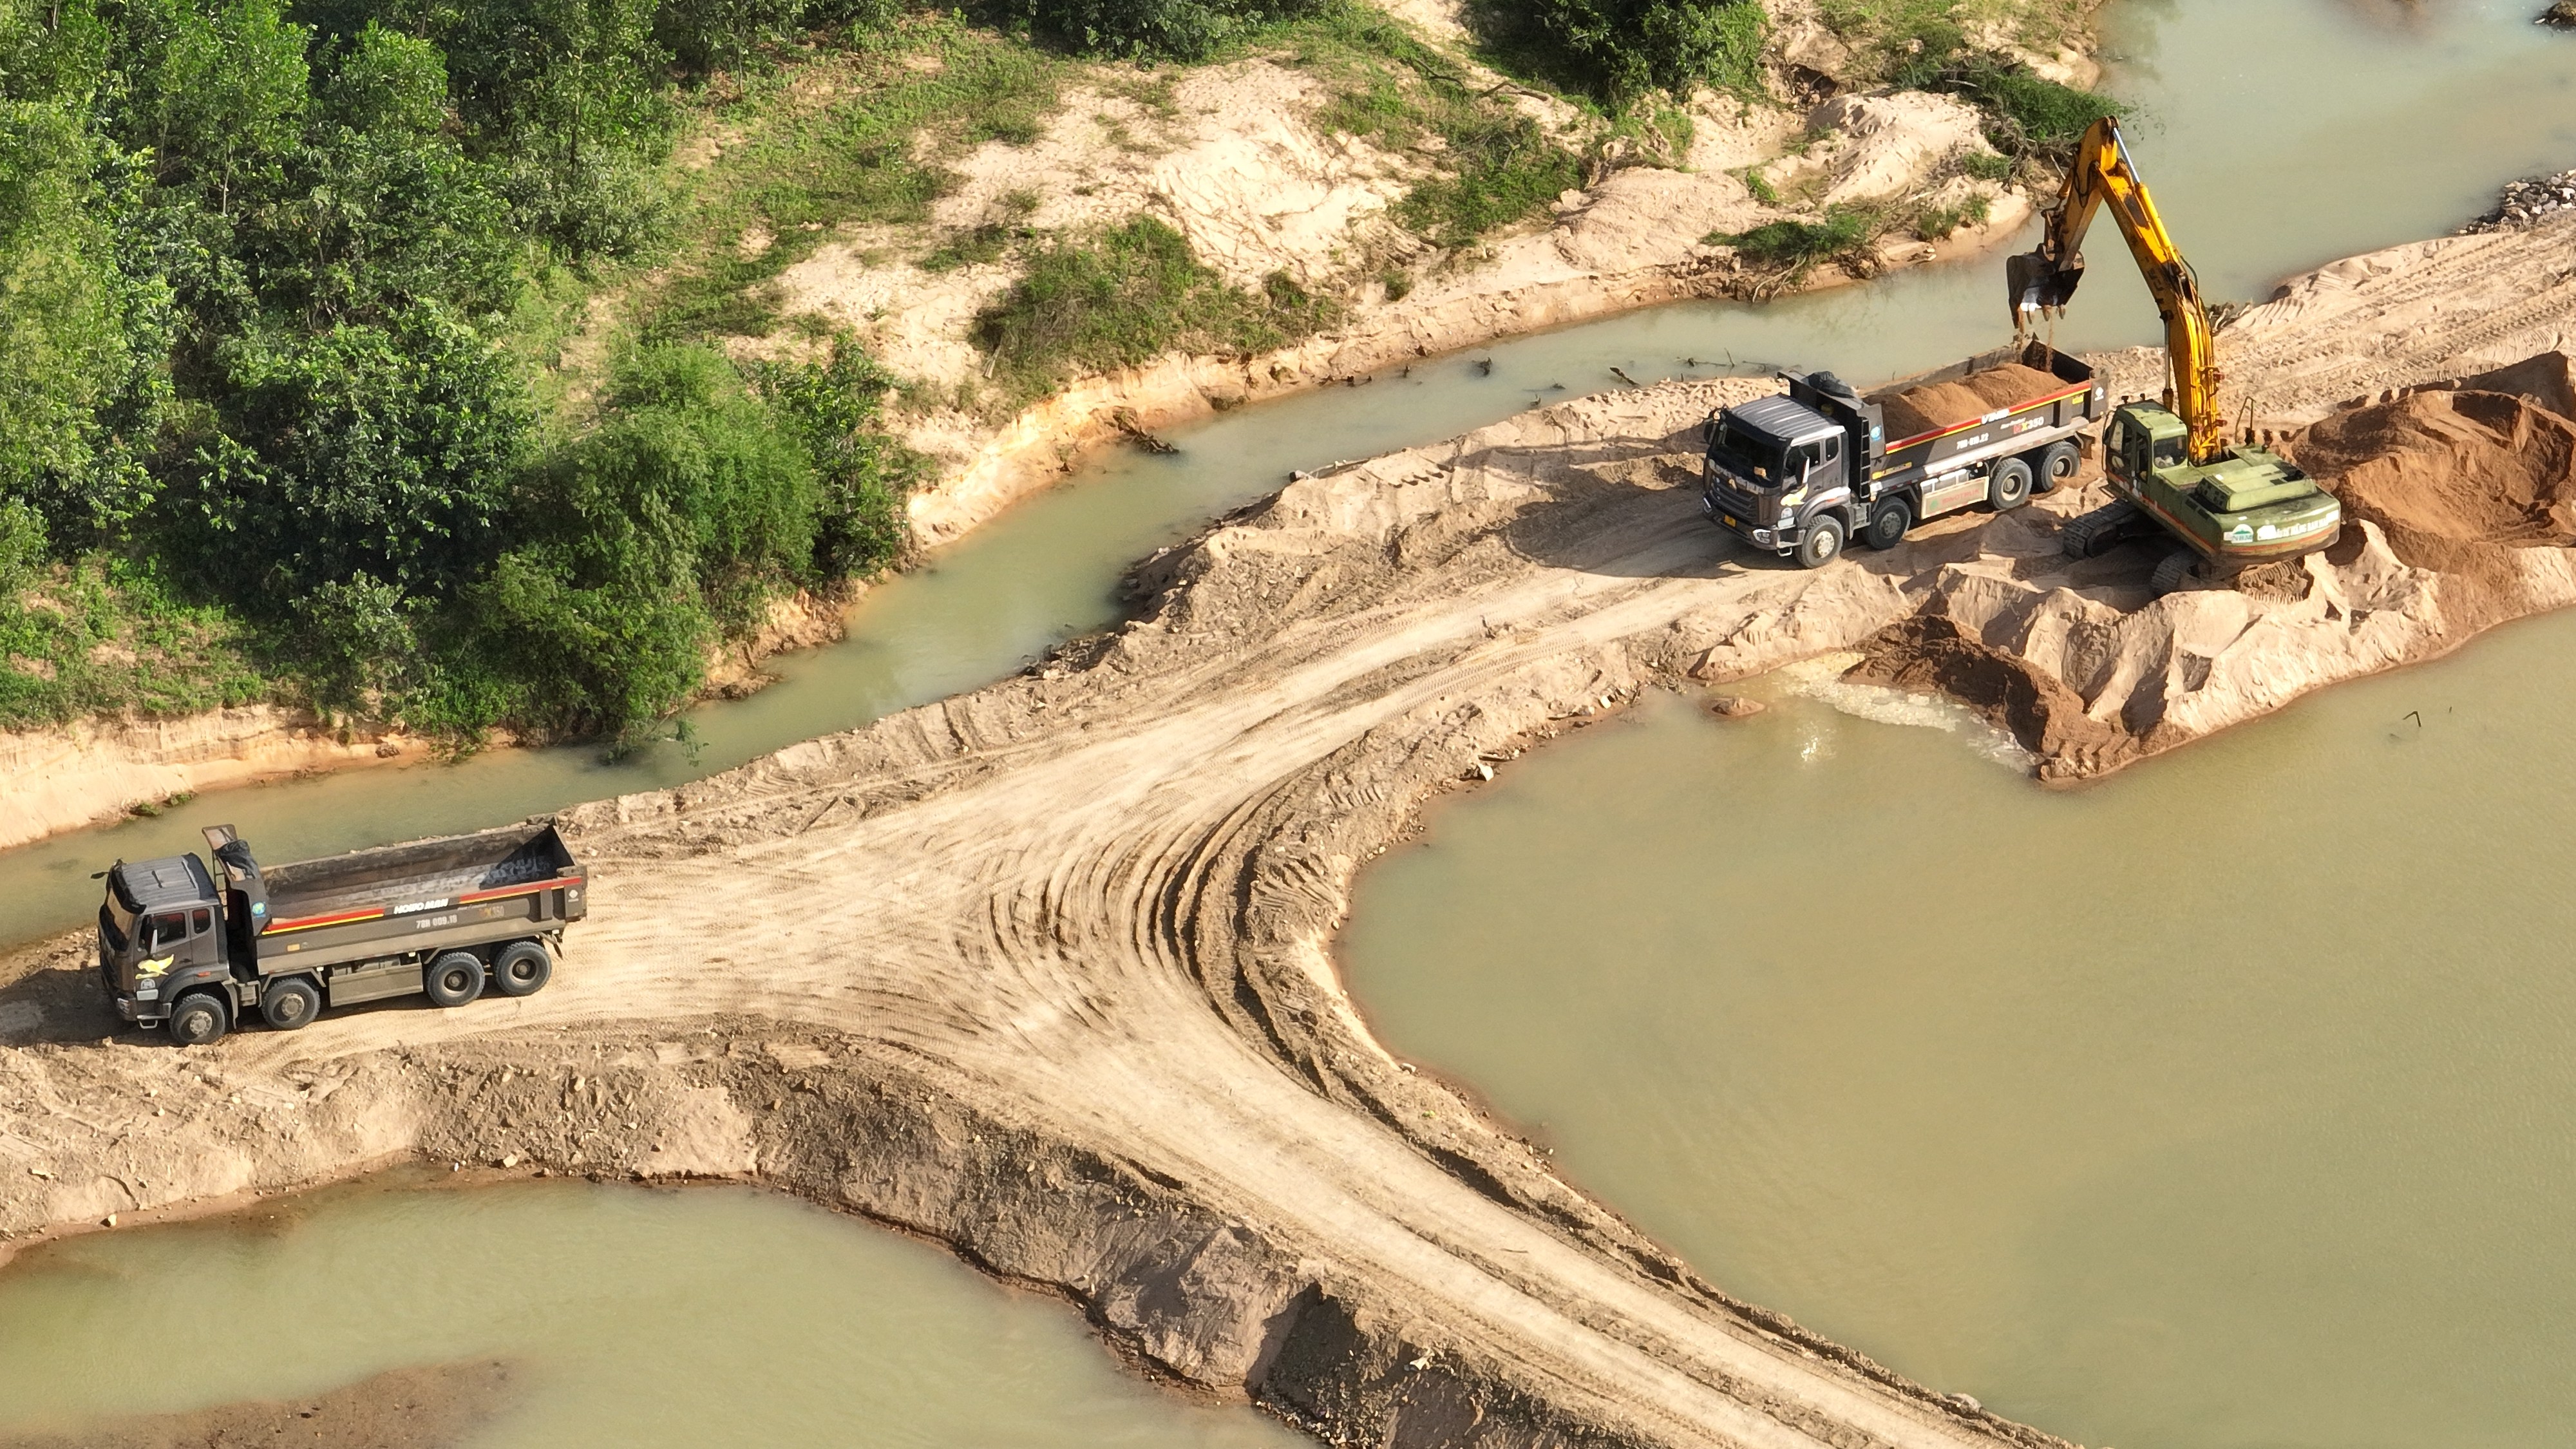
(1043, 971)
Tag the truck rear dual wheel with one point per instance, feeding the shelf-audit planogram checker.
(522, 969)
(290, 1002)
(199, 1019)
(2059, 462)
(1823, 543)
(2008, 487)
(454, 978)
(1887, 523)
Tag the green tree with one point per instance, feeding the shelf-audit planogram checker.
(384, 208)
(79, 338)
(383, 451)
(861, 473)
(231, 95)
(1619, 50)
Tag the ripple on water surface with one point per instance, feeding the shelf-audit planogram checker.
(711, 1316)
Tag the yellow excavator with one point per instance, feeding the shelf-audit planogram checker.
(2170, 466)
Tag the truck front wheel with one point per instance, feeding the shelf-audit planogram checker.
(454, 979)
(290, 1002)
(522, 969)
(2008, 487)
(1824, 540)
(198, 1019)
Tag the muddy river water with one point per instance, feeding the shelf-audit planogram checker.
(2269, 1147)
(717, 1316)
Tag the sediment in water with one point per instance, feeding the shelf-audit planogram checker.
(1044, 971)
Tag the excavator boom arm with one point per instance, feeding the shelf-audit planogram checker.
(2103, 175)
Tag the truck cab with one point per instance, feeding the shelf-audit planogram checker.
(161, 933)
(1776, 465)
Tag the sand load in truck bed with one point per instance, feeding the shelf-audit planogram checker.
(1935, 406)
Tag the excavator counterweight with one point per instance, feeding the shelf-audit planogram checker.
(2170, 466)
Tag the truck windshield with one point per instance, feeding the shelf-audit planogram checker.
(114, 922)
(1750, 454)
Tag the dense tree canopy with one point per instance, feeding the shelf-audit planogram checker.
(256, 264)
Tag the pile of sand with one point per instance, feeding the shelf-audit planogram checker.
(2448, 473)
(1919, 410)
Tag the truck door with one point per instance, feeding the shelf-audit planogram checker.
(1830, 470)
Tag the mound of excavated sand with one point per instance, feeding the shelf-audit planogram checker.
(1921, 410)
(2446, 470)
(2461, 504)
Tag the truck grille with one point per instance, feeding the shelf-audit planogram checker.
(1727, 496)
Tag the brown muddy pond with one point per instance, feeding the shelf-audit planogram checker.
(628, 1316)
(2229, 1102)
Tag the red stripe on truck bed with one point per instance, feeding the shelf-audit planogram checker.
(342, 918)
(306, 923)
(531, 888)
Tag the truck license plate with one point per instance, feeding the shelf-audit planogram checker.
(1730, 520)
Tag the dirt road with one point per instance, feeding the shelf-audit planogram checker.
(1045, 970)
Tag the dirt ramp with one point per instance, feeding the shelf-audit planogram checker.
(2451, 475)
(1920, 410)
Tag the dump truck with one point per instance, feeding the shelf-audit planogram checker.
(1802, 473)
(202, 949)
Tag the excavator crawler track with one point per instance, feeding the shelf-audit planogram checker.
(2091, 535)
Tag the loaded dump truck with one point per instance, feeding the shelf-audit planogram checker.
(1803, 473)
(201, 949)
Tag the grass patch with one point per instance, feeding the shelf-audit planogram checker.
(1986, 166)
(1940, 223)
(1926, 45)
(101, 636)
(1507, 169)
(1125, 297)
(1795, 247)
(2026, 113)
(1893, 32)
(1620, 52)
(1497, 166)
(838, 145)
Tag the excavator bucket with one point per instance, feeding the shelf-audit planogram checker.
(2038, 285)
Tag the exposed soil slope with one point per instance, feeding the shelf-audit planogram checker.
(1044, 970)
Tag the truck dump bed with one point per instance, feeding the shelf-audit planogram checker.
(345, 906)
(1933, 407)
(2018, 394)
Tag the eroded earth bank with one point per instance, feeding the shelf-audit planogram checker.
(1044, 971)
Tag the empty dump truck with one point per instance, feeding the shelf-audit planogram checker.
(1802, 473)
(200, 949)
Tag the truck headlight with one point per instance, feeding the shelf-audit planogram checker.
(147, 989)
